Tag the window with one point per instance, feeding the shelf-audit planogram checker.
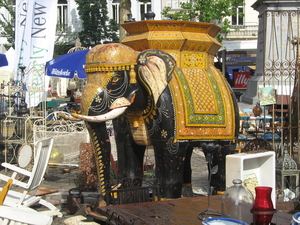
(115, 10)
(144, 8)
(237, 19)
(62, 15)
(174, 4)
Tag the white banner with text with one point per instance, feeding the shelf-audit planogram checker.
(35, 37)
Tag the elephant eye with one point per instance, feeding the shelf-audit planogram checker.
(115, 79)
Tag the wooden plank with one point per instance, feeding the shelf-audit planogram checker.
(44, 191)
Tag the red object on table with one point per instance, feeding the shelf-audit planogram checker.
(263, 208)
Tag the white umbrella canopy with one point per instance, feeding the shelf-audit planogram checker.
(10, 55)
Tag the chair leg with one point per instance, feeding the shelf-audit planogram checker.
(4, 191)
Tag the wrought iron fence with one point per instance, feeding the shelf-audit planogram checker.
(280, 70)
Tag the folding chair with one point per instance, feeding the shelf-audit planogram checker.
(27, 198)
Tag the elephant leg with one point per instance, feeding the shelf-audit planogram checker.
(218, 180)
(130, 155)
(170, 154)
(169, 167)
(187, 189)
(102, 148)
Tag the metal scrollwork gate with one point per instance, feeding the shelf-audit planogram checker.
(281, 70)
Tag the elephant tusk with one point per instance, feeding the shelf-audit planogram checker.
(120, 102)
(101, 118)
(67, 117)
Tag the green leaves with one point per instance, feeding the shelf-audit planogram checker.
(7, 24)
(96, 26)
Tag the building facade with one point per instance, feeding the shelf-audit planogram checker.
(244, 32)
(68, 19)
(243, 35)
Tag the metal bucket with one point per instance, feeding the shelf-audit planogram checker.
(75, 198)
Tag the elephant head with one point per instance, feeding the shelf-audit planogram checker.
(112, 81)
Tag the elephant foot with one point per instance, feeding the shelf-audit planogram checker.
(187, 190)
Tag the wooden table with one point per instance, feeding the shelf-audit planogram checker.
(171, 212)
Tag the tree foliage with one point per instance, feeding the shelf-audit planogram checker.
(97, 28)
(64, 41)
(7, 23)
(210, 11)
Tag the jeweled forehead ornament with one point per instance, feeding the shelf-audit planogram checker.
(110, 58)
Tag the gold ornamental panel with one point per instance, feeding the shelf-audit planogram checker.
(199, 37)
(166, 35)
(153, 25)
(214, 48)
(135, 27)
(139, 45)
(166, 44)
(136, 37)
(199, 27)
(196, 46)
(176, 55)
(202, 93)
(195, 60)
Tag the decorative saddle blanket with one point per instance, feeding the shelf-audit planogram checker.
(203, 104)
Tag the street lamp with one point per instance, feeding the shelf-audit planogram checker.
(23, 110)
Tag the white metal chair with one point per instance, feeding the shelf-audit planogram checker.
(27, 198)
(21, 216)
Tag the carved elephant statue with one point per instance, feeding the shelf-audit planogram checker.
(151, 102)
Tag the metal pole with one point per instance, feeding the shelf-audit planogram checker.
(297, 75)
(224, 61)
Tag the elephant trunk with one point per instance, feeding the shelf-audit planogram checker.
(102, 149)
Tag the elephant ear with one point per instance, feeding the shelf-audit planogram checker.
(155, 69)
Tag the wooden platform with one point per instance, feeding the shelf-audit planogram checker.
(172, 212)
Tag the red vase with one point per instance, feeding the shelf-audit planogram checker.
(263, 208)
